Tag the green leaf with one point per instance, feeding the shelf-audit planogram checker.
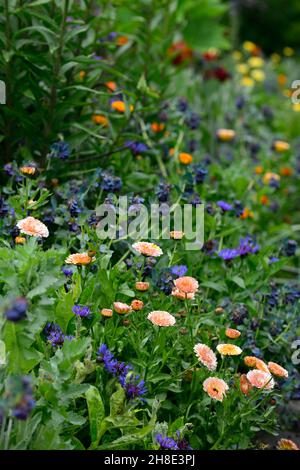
(96, 412)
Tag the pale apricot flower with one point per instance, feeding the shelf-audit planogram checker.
(142, 286)
(229, 349)
(33, 227)
(176, 234)
(122, 308)
(216, 388)
(106, 312)
(79, 258)
(147, 249)
(226, 135)
(260, 379)
(186, 284)
(137, 304)
(278, 370)
(206, 356)
(232, 333)
(181, 295)
(161, 318)
(286, 444)
(252, 361)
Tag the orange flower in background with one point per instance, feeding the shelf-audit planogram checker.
(206, 356)
(147, 249)
(185, 158)
(176, 235)
(79, 258)
(181, 295)
(137, 305)
(229, 350)
(280, 146)
(258, 170)
(112, 86)
(120, 106)
(264, 200)
(122, 40)
(82, 74)
(180, 52)
(28, 170)
(232, 333)
(106, 312)
(122, 308)
(33, 227)
(286, 171)
(142, 286)
(282, 79)
(260, 379)
(216, 388)
(100, 119)
(245, 385)
(226, 135)
(247, 214)
(252, 361)
(186, 284)
(171, 152)
(161, 318)
(157, 126)
(286, 444)
(270, 176)
(278, 370)
(20, 240)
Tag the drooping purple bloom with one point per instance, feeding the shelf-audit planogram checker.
(81, 310)
(225, 206)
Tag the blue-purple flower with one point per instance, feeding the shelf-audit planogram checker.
(81, 310)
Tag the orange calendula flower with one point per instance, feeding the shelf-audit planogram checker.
(181, 295)
(120, 106)
(270, 176)
(20, 240)
(229, 350)
(286, 444)
(186, 284)
(206, 356)
(286, 171)
(176, 235)
(28, 170)
(122, 40)
(247, 214)
(245, 385)
(171, 152)
(157, 126)
(252, 361)
(264, 200)
(226, 135)
(258, 170)
(282, 79)
(112, 86)
(82, 74)
(161, 318)
(232, 333)
(122, 308)
(278, 370)
(79, 259)
(147, 249)
(260, 379)
(280, 146)
(33, 227)
(216, 388)
(137, 304)
(142, 286)
(185, 158)
(106, 312)
(100, 119)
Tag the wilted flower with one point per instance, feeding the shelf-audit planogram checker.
(33, 227)
(229, 350)
(260, 379)
(206, 356)
(161, 318)
(216, 388)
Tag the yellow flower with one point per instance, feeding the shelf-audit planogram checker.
(256, 62)
(249, 46)
(243, 69)
(296, 107)
(275, 58)
(247, 82)
(82, 74)
(237, 55)
(20, 240)
(226, 135)
(258, 75)
(288, 51)
(229, 349)
(281, 146)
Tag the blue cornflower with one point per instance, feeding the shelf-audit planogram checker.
(8, 169)
(228, 254)
(179, 270)
(60, 150)
(166, 442)
(133, 386)
(199, 174)
(182, 443)
(136, 147)
(273, 259)
(163, 191)
(81, 310)
(225, 206)
(4, 208)
(21, 386)
(247, 246)
(110, 183)
(68, 272)
(289, 248)
(17, 310)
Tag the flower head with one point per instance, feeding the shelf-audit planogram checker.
(260, 379)
(81, 311)
(137, 304)
(252, 361)
(106, 312)
(179, 270)
(17, 310)
(161, 318)
(142, 286)
(147, 249)
(179, 294)
(286, 444)
(120, 106)
(229, 350)
(79, 258)
(226, 135)
(186, 284)
(185, 158)
(245, 385)
(228, 254)
(225, 206)
(206, 356)
(166, 442)
(33, 227)
(216, 388)
(280, 146)
(278, 370)
(232, 333)
(122, 308)
(176, 235)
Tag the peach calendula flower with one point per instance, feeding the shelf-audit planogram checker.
(185, 158)
(216, 388)
(232, 333)
(286, 444)
(33, 227)
(79, 259)
(28, 170)
(137, 304)
(142, 286)
(106, 312)
(252, 361)
(161, 318)
(100, 119)
(182, 295)
(157, 126)
(112, 86)
(20, 240)
(270, 176)
(280, 146)
(122, 308)
(260, 379)
(278, 370)
(147, 249)
(258, 170)
(229, 350)
(120, 106)
(176, 234)
(186, 284)
(245, 385)
(226, 135)
(206, 356)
